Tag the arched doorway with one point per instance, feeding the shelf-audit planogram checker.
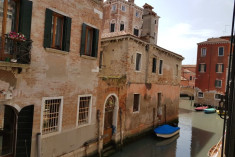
(7, 130)
(110, 118)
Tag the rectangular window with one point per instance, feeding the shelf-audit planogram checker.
(160, 67)
(154, 67)
(89, 41)
(200, 95)
(217, 96)
(218, 83)
(123, 8)
(57, 31)
(221, 51)
(190, 78)
(219, 68)
(84, 109)
(114, 7)
(202, 68)
(136, 32)
(137, 14)
(136, 103)
(203, 52)
(52, 108)
(176, 70)
(112, 27)
(101, 59)
(122, 27)
(138, 62)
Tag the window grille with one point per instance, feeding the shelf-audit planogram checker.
(84, 105)
(51, 115)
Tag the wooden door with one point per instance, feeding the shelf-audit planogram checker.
(108, 120)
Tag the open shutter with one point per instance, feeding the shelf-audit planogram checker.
(199, 67)
(95, 42)
(66, 34)
(47, 29)
(25, 17)
(204, 67)
(222, 67)
(216, 68)
(83, 39)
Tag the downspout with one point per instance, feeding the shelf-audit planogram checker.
(98, 143)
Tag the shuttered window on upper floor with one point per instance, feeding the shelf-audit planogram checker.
(57, 31)
(89, 41)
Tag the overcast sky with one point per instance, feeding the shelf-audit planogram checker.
(184, 23)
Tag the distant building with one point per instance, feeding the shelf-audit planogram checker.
(188, 76)
(212, 70)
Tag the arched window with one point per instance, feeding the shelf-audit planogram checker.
(112, 26)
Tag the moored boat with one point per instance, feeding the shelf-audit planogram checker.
(201, 108)
(210, 110)
(166, 131)
(215, 151)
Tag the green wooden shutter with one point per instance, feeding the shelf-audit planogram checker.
(83, 39)
(95, 42)
(205, 68)
(25, 17)
(222, 67)
(216, 68)
(47, 29)
(199, 67)
(66, 34)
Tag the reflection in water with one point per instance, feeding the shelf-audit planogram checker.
(198, 133)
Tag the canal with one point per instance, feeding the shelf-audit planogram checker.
(199, 132)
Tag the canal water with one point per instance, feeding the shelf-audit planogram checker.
(198, 133)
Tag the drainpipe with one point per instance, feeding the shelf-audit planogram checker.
(98, 143)
(39, 144)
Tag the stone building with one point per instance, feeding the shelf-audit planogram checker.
(139, 81)
(212, 70)
(48, 81)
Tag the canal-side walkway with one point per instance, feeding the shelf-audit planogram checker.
(199, 132)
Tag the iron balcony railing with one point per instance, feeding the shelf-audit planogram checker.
(18, 50)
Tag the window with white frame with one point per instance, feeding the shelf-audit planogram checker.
(218, 83)
(136, 32)
(137, 14)
(136, 103)
(112, 27)
(138, 62)
(160, 67)
(200, 95)
(84, 109)
(202, 67)
(203, 52)
(114, 7)
(122, 26)
(221, 51)
(52, 114)
(123, 7)
(217, 96)
(219, 68)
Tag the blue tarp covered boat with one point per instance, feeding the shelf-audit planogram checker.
(210, 110)
(166, 131)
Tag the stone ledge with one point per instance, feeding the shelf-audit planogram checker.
(57, 51)
(10, 65)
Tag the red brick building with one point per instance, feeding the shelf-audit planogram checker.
(211, 71)
(188, 75)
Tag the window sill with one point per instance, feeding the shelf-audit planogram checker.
(88, 57)
(51, 50)
(50, 134)
(136, 112)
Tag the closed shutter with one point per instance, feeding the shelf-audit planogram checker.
(66, 34)
(25, 17)
(47, 29)
(83, 39)
(95, 42)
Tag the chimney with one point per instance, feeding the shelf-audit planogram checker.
(150, 24)
(131, 1)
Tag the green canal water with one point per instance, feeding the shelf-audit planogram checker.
(198, 133)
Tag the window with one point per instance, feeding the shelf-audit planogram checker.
(217, 96)
(114, 7)
(203, 52)
(200, 95)
(219, 68)
(112, 27)
(138, 62)
(176, 70)
(136, 32)
(101, 59)
(190, 78)
(52, 108)
(57, 31)
(84, 110)
(160, 67)
(202, 68)
(218, 83)
(89, 41)
(122, 26)
(154, 67)
(137, 14)
(155, 22)
(221, 51)
(123, 8)
(16, 17)
(136, 103)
